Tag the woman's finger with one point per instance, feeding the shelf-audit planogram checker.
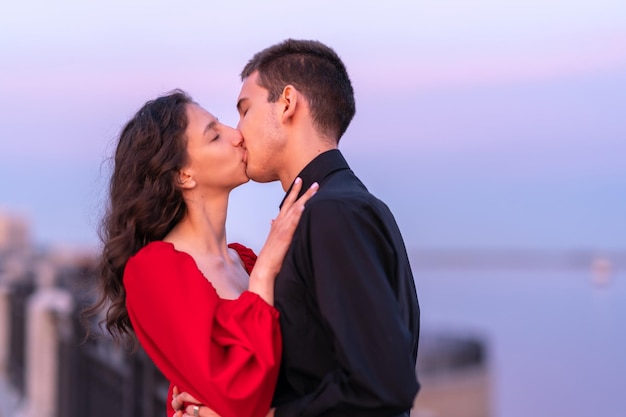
(289, 216)
(296, 209)
(185, 397)
(203, 411)
(293, 194)
(176, 404)
(308, 194)
(291, 201)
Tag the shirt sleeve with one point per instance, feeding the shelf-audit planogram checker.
(352, 260)
(225, 353)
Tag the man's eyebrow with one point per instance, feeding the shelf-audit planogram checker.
(240, 103)
(210, 126)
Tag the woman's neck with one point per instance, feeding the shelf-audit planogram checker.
(203, 229)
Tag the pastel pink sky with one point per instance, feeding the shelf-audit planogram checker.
(112, 55)
(445, 90)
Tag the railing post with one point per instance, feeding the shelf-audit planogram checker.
(47, 310)
(5, 328)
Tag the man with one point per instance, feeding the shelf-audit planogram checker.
(349, 313)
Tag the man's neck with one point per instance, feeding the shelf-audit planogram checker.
(300, 159)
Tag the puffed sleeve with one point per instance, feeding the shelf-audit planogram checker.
(225, 353)
(247, 255)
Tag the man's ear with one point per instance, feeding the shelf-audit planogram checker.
(185, 180)
(289, 102)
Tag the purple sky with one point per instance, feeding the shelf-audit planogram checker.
(481, 124)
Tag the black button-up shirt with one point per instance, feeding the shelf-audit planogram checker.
(349, 313)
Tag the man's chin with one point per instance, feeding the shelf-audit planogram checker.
(257, 178)
(261, 180)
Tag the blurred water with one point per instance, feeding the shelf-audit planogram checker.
(556, 341)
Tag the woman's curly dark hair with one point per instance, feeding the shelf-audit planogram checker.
(145, 200)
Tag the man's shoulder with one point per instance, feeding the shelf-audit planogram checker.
(353, 201)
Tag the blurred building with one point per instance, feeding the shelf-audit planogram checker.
(14, 233)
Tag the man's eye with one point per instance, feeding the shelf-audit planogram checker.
(215, 138)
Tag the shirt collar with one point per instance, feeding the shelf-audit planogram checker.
(318, 169)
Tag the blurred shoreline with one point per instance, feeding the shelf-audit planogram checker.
(494, 258)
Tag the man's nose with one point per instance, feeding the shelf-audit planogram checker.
(237, 138)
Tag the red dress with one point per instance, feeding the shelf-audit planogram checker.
(226, 353)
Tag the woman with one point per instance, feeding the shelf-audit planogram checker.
(167, 274)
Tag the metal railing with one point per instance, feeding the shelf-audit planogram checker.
(101, 379)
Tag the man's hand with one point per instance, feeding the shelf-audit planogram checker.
(199, 410)
(194, 410)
